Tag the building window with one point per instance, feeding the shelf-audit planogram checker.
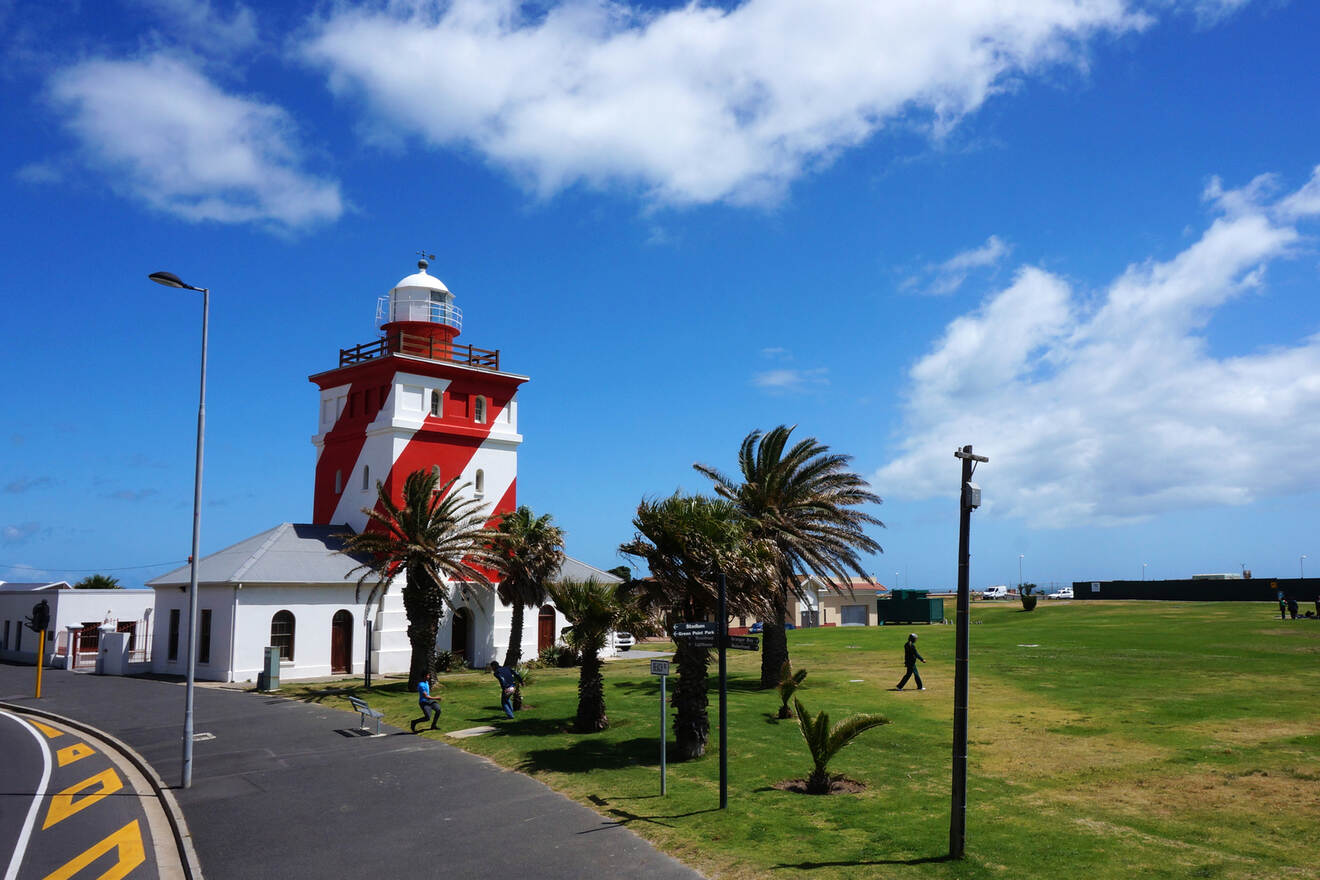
(481, 482)
(339, 482)
(439, 480)
(204, 638)
(479, 410)
(174, 635)
(281, 633)
(366, 478)
(436, 403)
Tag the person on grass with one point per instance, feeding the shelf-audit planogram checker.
(509, 680)
(910, 658)
(428, 704)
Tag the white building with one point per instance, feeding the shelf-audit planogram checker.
(80, 623)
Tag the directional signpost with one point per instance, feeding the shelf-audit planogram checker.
(744, 643)
(661, 668)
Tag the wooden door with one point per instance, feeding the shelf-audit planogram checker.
(458, 641)
(545, 629)
(341, 642)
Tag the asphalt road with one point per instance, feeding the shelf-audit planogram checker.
(71, 803)
(286, 789)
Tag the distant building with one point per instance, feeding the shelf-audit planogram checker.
(79, 622)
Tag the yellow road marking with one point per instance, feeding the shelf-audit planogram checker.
(75, 752)
(131, 853)
(62, 805)
(50, 732)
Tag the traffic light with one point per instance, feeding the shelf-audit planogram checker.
(40, 619)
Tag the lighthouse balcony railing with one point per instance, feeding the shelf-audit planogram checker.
(431, 348)
(428, 311)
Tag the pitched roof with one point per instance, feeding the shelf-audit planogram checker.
(33, 586)
(290, 553)
(299, 553)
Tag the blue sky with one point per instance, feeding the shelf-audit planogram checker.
(1079, 235)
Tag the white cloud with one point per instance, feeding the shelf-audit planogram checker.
(19, 533)
(948, 276)
(786, 380)
(168, 136)
(1110, 411)
(696, 104)
(198, 22)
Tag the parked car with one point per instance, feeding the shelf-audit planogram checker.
(623, 641)
(756, 627)
(996, 592)
(1062, 593)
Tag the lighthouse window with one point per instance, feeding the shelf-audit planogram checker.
(481, 482)
(366, 478)
(435, 403)
(479, 411)
(339, 482)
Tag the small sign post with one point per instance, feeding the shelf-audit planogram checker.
(661, 668)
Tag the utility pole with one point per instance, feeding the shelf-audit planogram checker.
(969, 498)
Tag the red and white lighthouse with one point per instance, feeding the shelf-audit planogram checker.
(415, 398)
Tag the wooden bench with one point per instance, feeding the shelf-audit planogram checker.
(361, 707)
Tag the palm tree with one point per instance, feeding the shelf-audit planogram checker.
(438, 535)
(825, 741)
(789, 682)
(529, 550)
(686, 540)
(801, 504)
(593, 609)
(98, 582)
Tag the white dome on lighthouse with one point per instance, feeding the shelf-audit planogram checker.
(421, 297)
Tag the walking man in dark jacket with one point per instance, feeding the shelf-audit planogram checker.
(910, 658)
(508, 679)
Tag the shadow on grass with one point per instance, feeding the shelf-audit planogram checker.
(592, 753)
(624, 817)
(811, 866)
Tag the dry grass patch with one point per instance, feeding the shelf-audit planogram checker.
(1252, 731)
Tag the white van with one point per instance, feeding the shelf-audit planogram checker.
(996, 592)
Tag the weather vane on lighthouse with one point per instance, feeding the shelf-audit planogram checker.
(425, 259)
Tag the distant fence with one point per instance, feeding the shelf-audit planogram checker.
(1196, 590)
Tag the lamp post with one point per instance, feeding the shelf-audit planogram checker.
(1301, 566)
(1143, 571)
(171, 280)
(1020, 555)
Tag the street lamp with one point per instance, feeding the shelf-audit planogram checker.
(171, 280)
(1301, 565)
(1020, 555)
(1143, 571)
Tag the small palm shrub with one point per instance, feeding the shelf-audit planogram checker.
(1028, 600)
(559, 657)
(825, 741)
(789, 682)
(447, 661)
(524, 678)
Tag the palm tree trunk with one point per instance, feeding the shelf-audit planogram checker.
(424, 604)
(774, 642)
(691, 723)
(591, 695)
(514, 652)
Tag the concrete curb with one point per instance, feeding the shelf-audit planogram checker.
(192, 867)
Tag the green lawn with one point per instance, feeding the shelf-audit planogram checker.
(1107, 740)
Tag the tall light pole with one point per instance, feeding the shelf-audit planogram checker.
(1020, 555)
(1143, 571)
(969, 500)
(171, 280)
(1301, 565)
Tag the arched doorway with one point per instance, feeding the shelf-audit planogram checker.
(460, 630)
(341, 642)
(545, 628)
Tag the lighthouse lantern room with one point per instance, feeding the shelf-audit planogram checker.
(415, 398)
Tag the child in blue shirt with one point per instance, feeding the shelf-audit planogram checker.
(428, 703)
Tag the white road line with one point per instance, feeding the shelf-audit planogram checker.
(20, 848)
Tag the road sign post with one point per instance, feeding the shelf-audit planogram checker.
(661, 668)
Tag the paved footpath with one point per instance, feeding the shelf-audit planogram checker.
(281, 791)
